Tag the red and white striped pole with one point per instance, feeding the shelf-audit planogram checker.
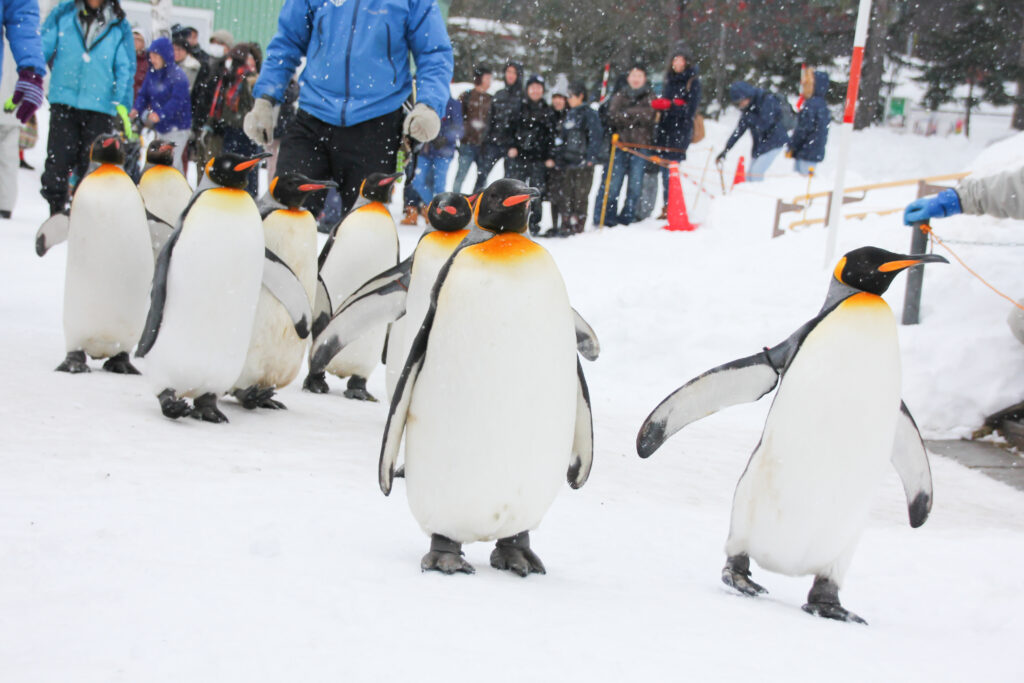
(604, 81)
(835, 213)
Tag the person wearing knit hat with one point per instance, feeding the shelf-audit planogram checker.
(223, 38)
(529, 158)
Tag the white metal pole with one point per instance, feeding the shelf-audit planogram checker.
(845, 135)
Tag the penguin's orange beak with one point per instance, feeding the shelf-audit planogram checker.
(907, 263)
(311, 187)
(516, 199)
(385, 181)
(450, 209)
(110, 141)
(245, 165)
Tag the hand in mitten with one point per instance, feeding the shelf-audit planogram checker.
(260, 121)
(28, 94)
(422, 124)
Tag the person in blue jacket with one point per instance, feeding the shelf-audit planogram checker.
(762, 116)
(164, 100)
(90, 48)
(20, 19)
(357, 76)
(436, 156)
(807, 143)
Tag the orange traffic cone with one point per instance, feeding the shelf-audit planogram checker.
(741, 174)
(677, 218)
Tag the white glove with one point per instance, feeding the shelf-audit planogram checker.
(422, 123)
(260, 121)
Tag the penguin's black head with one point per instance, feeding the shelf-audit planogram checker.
(107, 149)
(449, 211)
(160, 153)
(872, 270)
(505, 206)
(377, 187)
(232, 170)
(292, 189)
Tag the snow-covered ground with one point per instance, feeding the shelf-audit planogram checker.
(134, 548)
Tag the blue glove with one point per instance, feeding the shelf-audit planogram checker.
(942, 205)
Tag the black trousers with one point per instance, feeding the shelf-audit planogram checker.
(72, 132)
(489, 156)
(575, 190)
(534, 173)
(345, 155)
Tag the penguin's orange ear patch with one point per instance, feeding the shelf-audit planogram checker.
(386, 181)
(516, 199)
(838, 273)
(273, 184)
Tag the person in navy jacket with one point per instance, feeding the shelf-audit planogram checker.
(357, 76)
(807, 143)
(90, 48)
(164, 100)
(762, 116)
(678, 106)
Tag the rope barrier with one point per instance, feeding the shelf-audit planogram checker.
(927, 229)
(664, 163)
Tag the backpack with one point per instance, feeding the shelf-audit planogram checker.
(788, 118)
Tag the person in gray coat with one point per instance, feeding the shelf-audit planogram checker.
(1000, 195)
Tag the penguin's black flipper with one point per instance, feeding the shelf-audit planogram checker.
(384, 304)
(586, 338)
(583, 436)
(322, 307)
(400, 272)
(157, 297)
(159, 231)
(910, 459)
(739, 381)
(54, 230)
(281, 281)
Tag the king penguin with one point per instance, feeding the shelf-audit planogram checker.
(485, 452)
(205, 291)
(275, 350)
(364, 244)
(164, 189)
(836, 420)
(109, 263)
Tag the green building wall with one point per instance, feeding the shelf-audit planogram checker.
(252, 20)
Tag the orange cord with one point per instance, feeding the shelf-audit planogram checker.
(927, 229)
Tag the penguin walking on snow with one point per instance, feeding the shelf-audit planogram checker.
(275, 350)
(205, 292)
(836, 420)
(485, 453)
(164, 189)
(364, 244)
(109, 263)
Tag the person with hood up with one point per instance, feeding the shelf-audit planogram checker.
(505, 108)
(807, 143)
(90, 46)
(762, 116)
(163, 101)
(529, 157)
(631, 116)
(677, 108)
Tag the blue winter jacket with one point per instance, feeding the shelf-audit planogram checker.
(443, 146)
(96, 76)
(166, 91)
(357, 57)
(20, 19)
(762, 117)
(811, 132)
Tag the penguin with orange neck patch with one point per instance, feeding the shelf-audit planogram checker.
(485, 453)
(363, 245)
(164, 190)
(275, 350)
(835, 423)
(109, 262)
(205, 292)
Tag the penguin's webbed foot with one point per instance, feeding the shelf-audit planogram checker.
(257, 397)
(357, 389)
(399, 473)
(514, 554)
(172, 406)
(316, 383)
(445, 556)
(736, 574)
(74, 363)
(823, 601)
(205, 409)
(120, 365)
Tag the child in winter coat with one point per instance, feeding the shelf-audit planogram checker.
(807, 144)
(577, 148)
(164, 101)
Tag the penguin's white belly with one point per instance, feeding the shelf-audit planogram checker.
(491, 419)
(366, 244)
(213, 286)
(165, 192)
(275, 350)
(109, 266)
(803, 501)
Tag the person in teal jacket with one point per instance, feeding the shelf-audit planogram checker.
(91, 52)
